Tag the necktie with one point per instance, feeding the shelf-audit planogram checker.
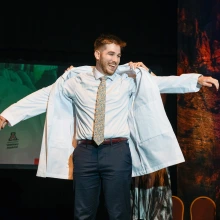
(99, 124)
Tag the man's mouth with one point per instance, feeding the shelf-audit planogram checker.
(113, 66)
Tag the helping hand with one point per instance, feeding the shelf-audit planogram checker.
(3, 122)
(208, 81)
(69, 68)
(139, 64)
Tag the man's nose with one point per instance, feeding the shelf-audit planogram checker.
(116, 59)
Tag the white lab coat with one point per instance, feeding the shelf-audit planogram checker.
(152, 142)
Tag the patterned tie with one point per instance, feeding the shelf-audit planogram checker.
(99, 125)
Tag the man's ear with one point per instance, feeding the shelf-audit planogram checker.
(97, 54)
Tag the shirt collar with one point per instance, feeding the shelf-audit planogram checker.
(98, 75)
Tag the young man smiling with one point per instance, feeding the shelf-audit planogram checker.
(137, 137)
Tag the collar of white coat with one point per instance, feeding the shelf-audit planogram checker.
(125, 68)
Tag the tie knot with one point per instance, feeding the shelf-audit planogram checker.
(103, 78)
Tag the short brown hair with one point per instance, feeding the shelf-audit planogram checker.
(104, 39)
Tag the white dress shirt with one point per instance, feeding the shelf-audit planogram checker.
(83, 91)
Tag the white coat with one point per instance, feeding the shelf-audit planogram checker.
(152, 141)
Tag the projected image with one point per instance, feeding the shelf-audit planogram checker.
(20, 144)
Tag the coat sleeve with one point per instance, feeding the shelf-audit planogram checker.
(30, 106)
(184, 83)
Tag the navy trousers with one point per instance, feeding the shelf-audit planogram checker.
(106, 166)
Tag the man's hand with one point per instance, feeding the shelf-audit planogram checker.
(3, 122)
(208, 81)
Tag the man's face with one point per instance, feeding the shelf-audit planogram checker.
(108, 59)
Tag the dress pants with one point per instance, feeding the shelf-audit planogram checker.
(109, 166)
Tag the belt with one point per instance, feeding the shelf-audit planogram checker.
(106, 141)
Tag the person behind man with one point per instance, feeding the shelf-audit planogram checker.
(135, 139)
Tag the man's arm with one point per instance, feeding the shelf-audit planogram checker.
(178, 81)
(29, 106)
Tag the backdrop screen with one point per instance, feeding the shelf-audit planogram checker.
(20, 144)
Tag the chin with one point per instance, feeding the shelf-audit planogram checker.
(111, 73)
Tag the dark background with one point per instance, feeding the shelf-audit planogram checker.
(44, 33)
(41, 33)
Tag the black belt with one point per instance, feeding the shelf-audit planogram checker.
(106, 141)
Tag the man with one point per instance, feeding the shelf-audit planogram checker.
(137, 138)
